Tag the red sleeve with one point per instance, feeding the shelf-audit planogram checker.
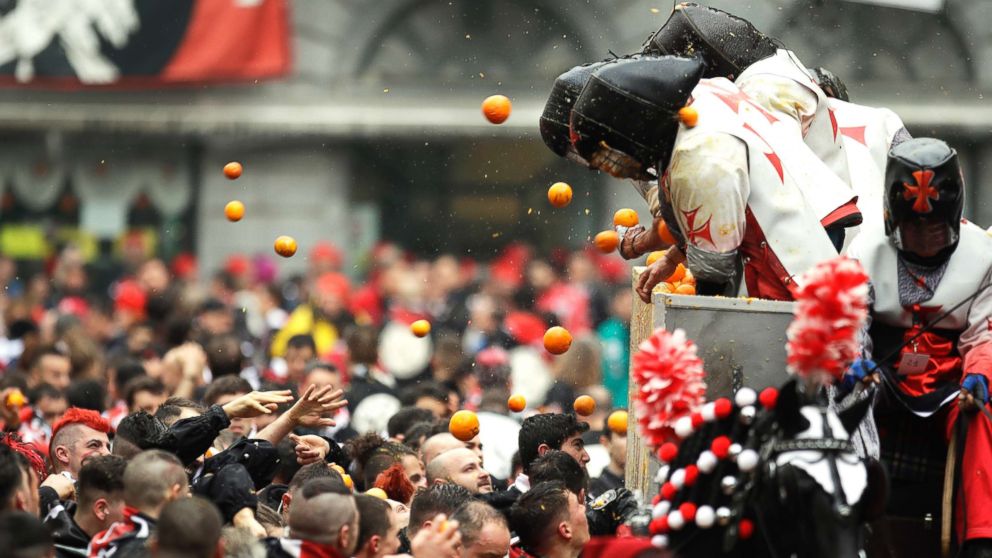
(979, 361)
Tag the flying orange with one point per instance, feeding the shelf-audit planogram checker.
(516, 403)
(584, 405)
(496, 108)
(625, 217)
(285, 246)
(464, 425)
(607, 241)
(617, 422)
(234, 211)
(560, 194)
(233, 170)
(557, 340)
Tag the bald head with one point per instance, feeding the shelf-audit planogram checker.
(438, 444)
(326, 519)
(460, 466)
(152, 479)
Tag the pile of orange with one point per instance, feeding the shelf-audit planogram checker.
(665, 234)
(680, 282)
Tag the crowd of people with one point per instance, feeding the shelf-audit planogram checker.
(253, 416)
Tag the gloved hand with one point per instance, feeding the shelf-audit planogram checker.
(858, 371)
(977, 386)
(609, 510)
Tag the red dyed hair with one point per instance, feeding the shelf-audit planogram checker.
(86, 417)
(29, 451)
(394, 483)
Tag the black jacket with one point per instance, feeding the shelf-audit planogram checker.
(70, 540)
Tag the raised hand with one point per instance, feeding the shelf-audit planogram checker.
(310, 448)
(257, 403)
(441, 539)
(316, 402)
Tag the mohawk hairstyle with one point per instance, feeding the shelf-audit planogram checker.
(86, 417)
(30, 452)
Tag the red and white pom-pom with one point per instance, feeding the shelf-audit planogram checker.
(831, 308)
(669, 376)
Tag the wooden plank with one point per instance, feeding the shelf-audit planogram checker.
(640, 467)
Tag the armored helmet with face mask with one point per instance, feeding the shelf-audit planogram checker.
(727, 43)
(924, 200)
(630, 111)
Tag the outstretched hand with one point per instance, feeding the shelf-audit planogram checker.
(257, 403)
(310, 448)
(310, 408)
(658, 272)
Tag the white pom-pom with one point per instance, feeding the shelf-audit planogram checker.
(705, 517)
(708, 412)
(678, 478)
(659, 541)
(683, 427)
(662, 475)
(706, 461)
(675, 520)
(747, 460)
(661, 509)
(745, 396)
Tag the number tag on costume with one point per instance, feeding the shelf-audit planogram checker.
(913, 363)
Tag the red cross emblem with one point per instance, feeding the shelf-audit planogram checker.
(733, 99)
(703, 232)
(857, 133)
(772, 157)
(922, 191)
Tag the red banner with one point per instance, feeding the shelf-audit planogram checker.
(141, 43)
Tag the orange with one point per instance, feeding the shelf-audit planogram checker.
(464, 425)
(689, 116)
(233, 170)
(676, 275)
(584, 405)
(285, 246)
(625, 217)
(607, 241)
(665, 234)
(557, 340)
(16, 399)
(560, 194)
(689, 279)
(685, 290)
(338, 468)
(496, 108)
(378, 493)
(665, 287)
(654, 256)
(347, 481)
(618, 422)
(420, 328)
(516, 403)
(234, 210)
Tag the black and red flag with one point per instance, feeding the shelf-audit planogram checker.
(143, 43)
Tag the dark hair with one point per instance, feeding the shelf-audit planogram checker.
(559, 466)
(13, 467)
(288, 465)
(24, 535)
(45, 390)
(87, 394)
(548, 428)
(363, 344)
(320, 365)
(125, 371)
(406, 417)
(169, 411)
(143, 383)
(440, 498)
(48, 350)
(224, 356)
(473, 517)
(333, 484)
(140, 429)
(537, 512)
(225, 385)
(412, 436)
(103, 474)
(301, 341)
(412, 394)
(309, 472)
(189, 527)
(373, 518)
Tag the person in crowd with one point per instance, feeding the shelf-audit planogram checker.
(404, 419)
(152, 479)
(325, 525)
(306, 474)
(437, 444)
(18, 482)
(460, 466)
(436, 499)
(22, 535)
(378, 528)
(188, 528)
(485, 532)
(544, 432)
(52, 367)
(612, 476)
(144, 394)
(224, 390)
(98, 504)
(550, 521)
(77, 436)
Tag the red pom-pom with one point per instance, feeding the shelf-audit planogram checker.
(659, 526)
(831, 307)
(668, 491)
(768, 397)
(722, 408)
(696, 419)
(669, 378)
(745, 529)
(688, 511)
(720, 446)
(691, 474)
(656, 500)
(668, 452)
